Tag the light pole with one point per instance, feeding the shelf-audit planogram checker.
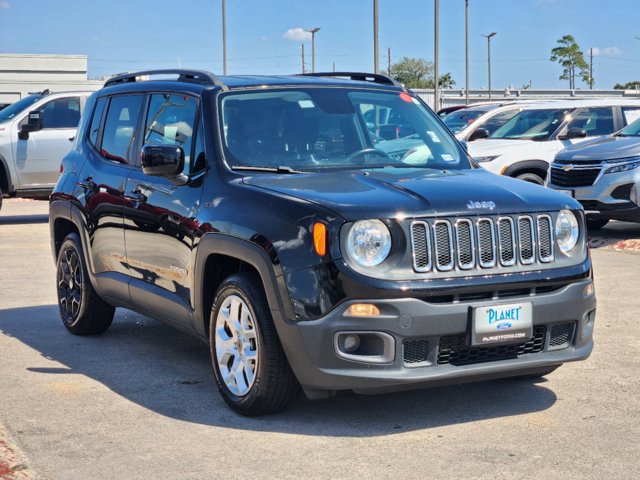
(436, 80)
(489, 37)
(466, 49)
(224, 37)
(313, 32)
(376, 54)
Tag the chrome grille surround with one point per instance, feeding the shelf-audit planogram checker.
(527, 240)
(506, 241)
(421, 246)
(482, 243)
(443, 240)
(466, 246)
(545, 238)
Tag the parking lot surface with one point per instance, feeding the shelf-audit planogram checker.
(140, 402)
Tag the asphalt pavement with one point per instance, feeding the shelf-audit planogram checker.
(140, 402)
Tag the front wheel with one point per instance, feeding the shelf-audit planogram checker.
(251, 369)
(83, 312)
(531, 178)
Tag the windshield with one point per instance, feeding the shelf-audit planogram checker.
(14, 109)
(291, 130)
(536, 124)
(461, 119)
(631, 130)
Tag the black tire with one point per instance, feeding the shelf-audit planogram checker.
(531, 178)
(82, 311)
(273, 385)
(596, 223)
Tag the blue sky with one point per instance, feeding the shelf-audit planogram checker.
(126, 35)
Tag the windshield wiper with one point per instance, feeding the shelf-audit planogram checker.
(278, 169)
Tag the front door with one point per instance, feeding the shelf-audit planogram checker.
(38, 159)
(160, 223)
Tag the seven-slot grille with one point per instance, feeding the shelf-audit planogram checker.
(505, 241)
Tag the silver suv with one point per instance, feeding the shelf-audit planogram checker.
(34, 136)
(604, 176)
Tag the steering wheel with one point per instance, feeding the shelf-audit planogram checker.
(364, 151)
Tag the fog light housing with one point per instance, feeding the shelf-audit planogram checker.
(351, 343)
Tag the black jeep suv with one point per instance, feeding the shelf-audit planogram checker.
(323, 231)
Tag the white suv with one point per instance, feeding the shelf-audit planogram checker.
(525, 146)
(34, 136)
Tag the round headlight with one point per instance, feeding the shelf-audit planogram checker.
(368, 242)
(567, 230)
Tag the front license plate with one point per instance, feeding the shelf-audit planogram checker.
(499, 324)
(566, 192)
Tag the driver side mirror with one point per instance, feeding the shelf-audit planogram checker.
(164, 161)
(34, 123)
(479, 134)
(574, 132)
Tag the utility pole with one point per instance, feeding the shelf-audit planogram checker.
(313, 32)
(436, 80)
(489, 37)
(591, 69)
(224, 37)
(466, 49)
(334, 67)
(303, 69)
(389, 61)
(376, 53)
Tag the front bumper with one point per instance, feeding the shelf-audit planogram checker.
(430, 342)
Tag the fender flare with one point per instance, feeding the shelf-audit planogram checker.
(7, 173)
(268, 268)
(526, 165)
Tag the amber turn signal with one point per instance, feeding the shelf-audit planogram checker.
(320, 238)
(363, 310)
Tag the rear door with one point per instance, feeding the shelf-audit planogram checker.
(38, 159)
(160, 225)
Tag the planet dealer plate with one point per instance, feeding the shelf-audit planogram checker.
(502, 324)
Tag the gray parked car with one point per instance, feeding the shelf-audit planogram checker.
(604, 176)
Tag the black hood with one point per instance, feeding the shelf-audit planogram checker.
(397, 192)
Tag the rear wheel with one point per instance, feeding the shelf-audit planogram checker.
(83, 312)
(596, 223)
(251, 369)
(531, 178)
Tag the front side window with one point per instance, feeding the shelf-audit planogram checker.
(461, 119)
(170, 121)
(323, 128)
(61, 113)
(119, 128)
(534, 124)
(594, 121)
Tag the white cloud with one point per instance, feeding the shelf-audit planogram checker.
(607, 52)
(297, 35)
(5, 4)
(264, 38)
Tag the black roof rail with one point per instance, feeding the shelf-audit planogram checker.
(360, 76)
(184, 75)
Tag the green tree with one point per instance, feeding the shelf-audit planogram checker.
(628, 86)
(571, 58)
(418, 73)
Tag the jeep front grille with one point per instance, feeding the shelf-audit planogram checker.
(483, 243)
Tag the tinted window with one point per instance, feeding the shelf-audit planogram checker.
(629, 114)
(61, 113)
(200, 158)
(595, 121)
(119, 128)
(95, 120)
(170, 121)
(499, 119)
(461, 119)
(311, 129)
(12, 110)
(631, 130)
(535, 124)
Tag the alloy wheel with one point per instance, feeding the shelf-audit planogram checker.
(70, 285)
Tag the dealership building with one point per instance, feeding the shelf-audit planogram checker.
(22, 74)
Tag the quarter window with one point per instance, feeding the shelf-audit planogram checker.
(61, 113)
(96, 119)
(170, 121)
(119, 128)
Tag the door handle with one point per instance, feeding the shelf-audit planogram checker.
(88, 183)
(136, 196)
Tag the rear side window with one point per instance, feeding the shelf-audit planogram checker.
(61, 113)
(595, 121)
(171, 121)
(119, 128)
(94, 128)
